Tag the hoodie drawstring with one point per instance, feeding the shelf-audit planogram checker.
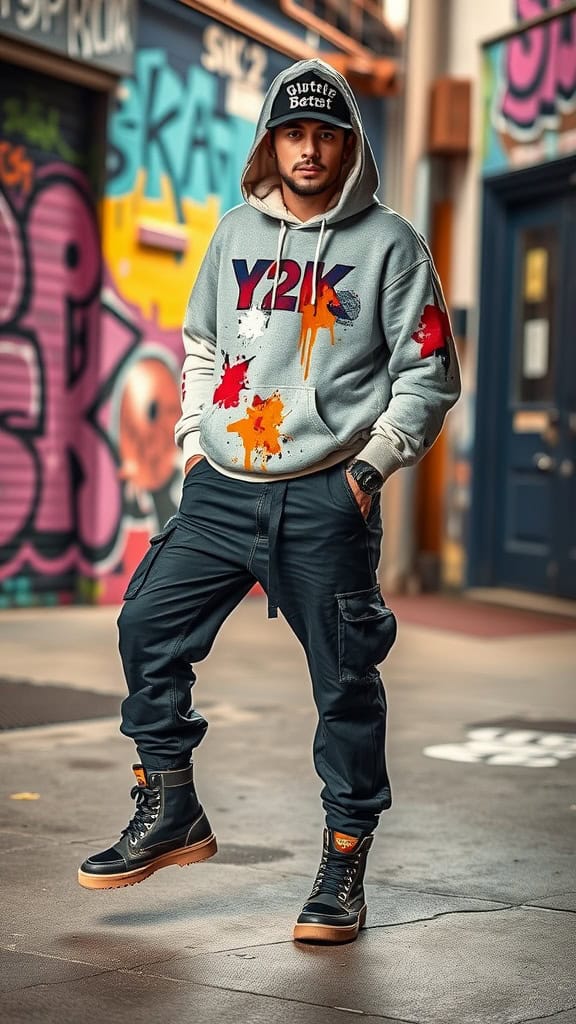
(316, 260)
(281, 238)
(317, 255)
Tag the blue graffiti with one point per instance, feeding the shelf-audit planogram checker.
(171, 126)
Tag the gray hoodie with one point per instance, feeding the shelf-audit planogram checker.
(309, 342)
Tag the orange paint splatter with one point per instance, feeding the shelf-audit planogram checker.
(313, 319)
(260, 430)
(16, 170)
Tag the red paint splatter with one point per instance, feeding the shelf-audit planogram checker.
(227, 394)
(433, 331)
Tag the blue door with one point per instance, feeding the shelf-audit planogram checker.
(535, 529)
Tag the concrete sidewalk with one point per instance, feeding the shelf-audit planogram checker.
(471, 882)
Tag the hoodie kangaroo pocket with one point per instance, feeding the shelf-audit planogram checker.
(142, 571)
(272, 429)
(366, 633)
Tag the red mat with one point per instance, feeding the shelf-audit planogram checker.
(474, 618)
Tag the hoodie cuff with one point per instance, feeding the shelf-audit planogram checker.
(191, 445)
(380, 455)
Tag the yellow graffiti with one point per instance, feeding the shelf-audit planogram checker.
(146, 273)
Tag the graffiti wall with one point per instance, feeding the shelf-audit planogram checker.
(179, 132)
(92, 295)
(529, 92)
(51, 448)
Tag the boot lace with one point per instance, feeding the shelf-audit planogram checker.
(146, 814)
(335, 875)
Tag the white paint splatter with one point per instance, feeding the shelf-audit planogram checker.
(252, 323)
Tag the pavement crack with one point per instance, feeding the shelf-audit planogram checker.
(286, 999)
(196, 951)
(437, 892)
(546, 1016)
(13, 948)
(61, 981)
(442, 913)
(548, 910)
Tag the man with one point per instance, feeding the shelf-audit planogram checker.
(319, 360)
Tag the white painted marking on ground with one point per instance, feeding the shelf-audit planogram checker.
(520, 748)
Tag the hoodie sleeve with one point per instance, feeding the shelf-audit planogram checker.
(199, 337)
(423, 368)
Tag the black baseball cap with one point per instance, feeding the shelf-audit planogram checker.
(310, 97)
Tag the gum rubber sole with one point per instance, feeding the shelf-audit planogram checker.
(185, 855)
(332, 934)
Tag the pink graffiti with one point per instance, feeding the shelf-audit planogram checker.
(540, 69)
(61, 502)
(12, 263)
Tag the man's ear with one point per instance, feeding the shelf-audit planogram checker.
(269, 143)
(349, 145)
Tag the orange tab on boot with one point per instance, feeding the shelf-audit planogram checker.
(140, 774)
(345, 843)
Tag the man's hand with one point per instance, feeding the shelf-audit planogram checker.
(191, 462)
(364, 500)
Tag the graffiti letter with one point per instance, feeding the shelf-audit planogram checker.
(323, 281)
(213, 59)
(79, 39)
(126, 135)
(248, 280)
(13, 269)
(160, 96)
(540, 70)
(291, 270)
(24, 20)
(564, 30)
(51, 9)
(123, 42)
(207, 143)
(20, 418)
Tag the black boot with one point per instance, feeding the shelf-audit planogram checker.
(336, 909)
(168, 827)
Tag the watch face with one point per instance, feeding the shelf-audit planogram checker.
(368, 479)
(370, 483)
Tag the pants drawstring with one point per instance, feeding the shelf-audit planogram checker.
(278, 497)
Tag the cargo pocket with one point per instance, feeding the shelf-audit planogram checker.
(366, 632)
(142, 571)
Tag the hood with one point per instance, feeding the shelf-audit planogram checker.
(360, 179)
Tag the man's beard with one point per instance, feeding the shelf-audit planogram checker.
(308, 188)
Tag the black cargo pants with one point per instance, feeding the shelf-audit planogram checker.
(306, 542)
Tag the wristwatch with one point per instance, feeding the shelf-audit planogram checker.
(366, 476)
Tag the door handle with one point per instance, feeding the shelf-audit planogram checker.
(544, 462)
